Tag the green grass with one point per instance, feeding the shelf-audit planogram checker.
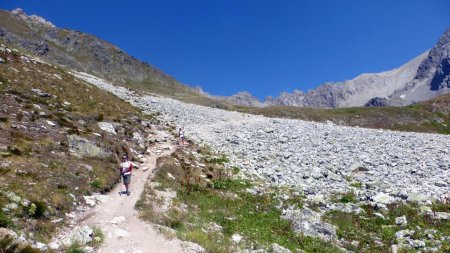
(224, 202)
(365, 227)
(348, 197)
(218, 160)
(75, 248)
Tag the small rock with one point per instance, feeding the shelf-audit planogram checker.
(383, 198)
(107, 127)
(442, 216)
(404, 233)
(418, 198)
(279, 249)
(54, 246)
(120, 233)
(117, 220)
(418, 244)
(41, 246)
(441, 184)
(41, 93)
(401, 221)
(51, 123)
(236, 238)
(379, 215)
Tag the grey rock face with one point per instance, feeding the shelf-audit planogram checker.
(355, 92)
(244, 98)
(295, 98)
(377, 102)
(422, 78)
(436, 62)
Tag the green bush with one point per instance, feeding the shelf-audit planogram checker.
(41, 208)
(4, 220)
(75, 248)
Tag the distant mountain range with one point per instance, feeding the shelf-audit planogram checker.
(424, 77)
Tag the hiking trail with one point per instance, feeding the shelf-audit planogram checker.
(117, 218)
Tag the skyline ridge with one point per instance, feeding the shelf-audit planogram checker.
(258, 89)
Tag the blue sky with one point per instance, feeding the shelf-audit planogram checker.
(264, 47)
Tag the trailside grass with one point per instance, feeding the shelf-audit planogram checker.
(214, 213)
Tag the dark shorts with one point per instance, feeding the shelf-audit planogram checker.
(126, 179)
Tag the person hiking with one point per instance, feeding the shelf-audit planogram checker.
(125, 171)
(181, 137)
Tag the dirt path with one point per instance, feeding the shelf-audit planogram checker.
(117, 218)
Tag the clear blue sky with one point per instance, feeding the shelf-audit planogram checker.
(264, 47)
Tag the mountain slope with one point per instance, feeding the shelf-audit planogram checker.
(422, 78)
(82, 52)
(433, 75)
(355, 92)
(59, 141)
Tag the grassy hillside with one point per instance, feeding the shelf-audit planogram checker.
(82, 52)
(429, 116)
(51, 147)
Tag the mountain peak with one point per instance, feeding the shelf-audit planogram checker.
(32, 18)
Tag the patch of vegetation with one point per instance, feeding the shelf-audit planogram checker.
(348, 197)
(9, 245)
(211, 214)
(356, 184)
(5, 221)
(42, 170)
(97, 237)
(367, 228)
(218, 160)
(75, 248)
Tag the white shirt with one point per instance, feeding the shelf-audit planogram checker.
(125, 166)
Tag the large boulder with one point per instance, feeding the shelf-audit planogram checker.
(107, 127)
(83, 147)
(308, 222)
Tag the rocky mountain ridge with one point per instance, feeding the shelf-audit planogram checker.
(422, 78)
(80, 51)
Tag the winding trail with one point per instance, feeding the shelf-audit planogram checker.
(119, 221)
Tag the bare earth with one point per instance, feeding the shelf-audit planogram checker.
(117, 218)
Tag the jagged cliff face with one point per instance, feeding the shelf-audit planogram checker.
(76, 50)
(432, 78)
(437, 64)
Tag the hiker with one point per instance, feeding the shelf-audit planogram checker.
(125, 171)
(181, 137)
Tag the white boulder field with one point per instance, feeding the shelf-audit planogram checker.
(315, 158)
